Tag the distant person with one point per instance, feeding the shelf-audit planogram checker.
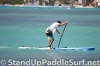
(50, 30)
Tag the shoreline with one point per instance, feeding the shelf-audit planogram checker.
(76, 6)
(79, 6)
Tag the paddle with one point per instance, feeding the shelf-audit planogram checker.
(62, 35)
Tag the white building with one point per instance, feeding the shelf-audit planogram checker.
(80, 1)
(98, 2)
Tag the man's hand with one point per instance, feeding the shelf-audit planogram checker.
(60, 34)
(66, 22)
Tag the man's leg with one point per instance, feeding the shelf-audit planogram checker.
(50, 41)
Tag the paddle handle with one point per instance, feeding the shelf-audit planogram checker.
(62, 35)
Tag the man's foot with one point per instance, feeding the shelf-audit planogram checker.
(49, 47)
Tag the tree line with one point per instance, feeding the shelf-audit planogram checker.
(51, 2)
(12, 2)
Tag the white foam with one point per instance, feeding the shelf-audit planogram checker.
(4, 47)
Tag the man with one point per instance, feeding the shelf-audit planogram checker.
(50, 30)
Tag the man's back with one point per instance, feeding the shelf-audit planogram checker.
(54, 26)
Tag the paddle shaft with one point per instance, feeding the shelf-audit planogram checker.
(62, 35)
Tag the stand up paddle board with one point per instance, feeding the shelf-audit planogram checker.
(65, 48)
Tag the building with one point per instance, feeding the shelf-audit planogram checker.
(98, 2)
(60, 2)
(31, 2)
(84, 2)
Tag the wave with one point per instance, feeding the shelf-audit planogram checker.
(1, 47)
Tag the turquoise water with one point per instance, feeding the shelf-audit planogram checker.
(25, 26)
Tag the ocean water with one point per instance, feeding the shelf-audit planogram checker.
(25, 26)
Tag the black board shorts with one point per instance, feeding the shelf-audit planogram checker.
(49, 35)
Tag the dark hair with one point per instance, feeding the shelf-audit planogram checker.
(59, 22)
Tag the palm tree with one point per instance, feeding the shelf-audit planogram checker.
(24, 2)
(32, 1)
(88, 2)
(40, 2)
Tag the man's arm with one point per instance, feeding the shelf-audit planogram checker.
(58, 32)
(63, 23)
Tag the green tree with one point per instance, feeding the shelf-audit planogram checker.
(65, 2)
(40, 2)
(52, 2)
(89, 1)
(12, 2)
